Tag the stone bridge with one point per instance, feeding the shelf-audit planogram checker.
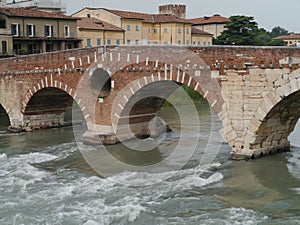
(254, 91)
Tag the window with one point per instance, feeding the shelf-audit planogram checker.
(187, 30)
(98, 41)
(187, 42)
(49, 31)
(88, 15)
(208, 43)
(198, 42)
(136, 42)
(179, 30)
(128, 42)
(2, 23)
(149, 30)
(204, 43)
(4, 47)
(30, 28)
(128, 27)
(88, 42)
(165, 30)
(108, 41)
(15, 29)
(118, 42)
(155, 30)
(137, 28)
(194, 42)
(67, 31)
(49, 47)
(179, 42)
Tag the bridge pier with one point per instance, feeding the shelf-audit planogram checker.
(108, 135)
(246, 154)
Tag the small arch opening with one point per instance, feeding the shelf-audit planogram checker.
(101, 82)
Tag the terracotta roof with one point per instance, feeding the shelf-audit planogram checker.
(23, 12)
(200, 32)
(209, 20)
(145, 17)
(291, 36)
(95, 24)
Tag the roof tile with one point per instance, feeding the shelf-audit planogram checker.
(23, 12)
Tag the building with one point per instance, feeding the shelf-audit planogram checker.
(167, 27)
(52, 6)
(2, 3)
(212, 24)
(95, 32)
(291, 40)
(26, 31)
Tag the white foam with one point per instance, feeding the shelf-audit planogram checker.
(3, 156)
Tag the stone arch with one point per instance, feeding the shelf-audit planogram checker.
(55, 87)
(274, 119)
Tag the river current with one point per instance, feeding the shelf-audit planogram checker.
(45, 180)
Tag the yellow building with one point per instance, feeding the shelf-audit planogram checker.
(95, 32)
(201, 38)
(291, 40)
(27, 31)
(167, 27)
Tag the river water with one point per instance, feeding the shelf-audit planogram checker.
(45, 180)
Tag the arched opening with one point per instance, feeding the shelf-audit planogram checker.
(278, 124)
(164, 115)
(4, 119)
(48, 108)
(101, 82)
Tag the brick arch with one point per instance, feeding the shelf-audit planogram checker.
(175, 57)
(128, 92)
(274, 119)
(51, 82)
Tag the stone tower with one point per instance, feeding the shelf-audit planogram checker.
(177, 10)
(2, 3)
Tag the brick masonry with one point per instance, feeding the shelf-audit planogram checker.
(253, 90)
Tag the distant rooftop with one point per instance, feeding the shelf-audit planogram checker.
(209, 20)
(24, 12)
(291, 36)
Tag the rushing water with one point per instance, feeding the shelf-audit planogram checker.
(45, 180)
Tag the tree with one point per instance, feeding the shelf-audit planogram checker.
(242, 30)
(278, 31)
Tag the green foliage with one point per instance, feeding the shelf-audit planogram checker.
(276, 43)
(278, 31)
(178, 98)
(243, 30)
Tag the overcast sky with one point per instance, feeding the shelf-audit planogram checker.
(268, 13)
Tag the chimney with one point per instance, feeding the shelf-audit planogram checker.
(176, 10)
